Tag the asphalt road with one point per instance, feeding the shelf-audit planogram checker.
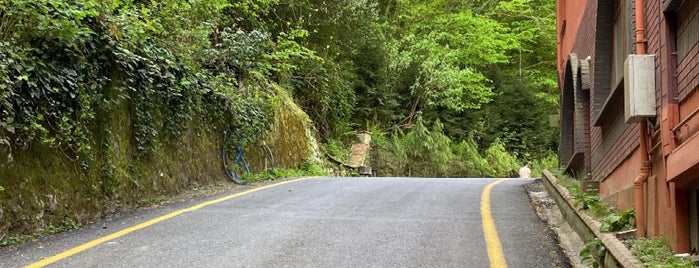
(317, 222)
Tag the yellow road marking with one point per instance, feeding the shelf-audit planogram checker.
(98, 241)
(492, 241)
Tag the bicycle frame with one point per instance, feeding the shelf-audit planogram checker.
(239, 159)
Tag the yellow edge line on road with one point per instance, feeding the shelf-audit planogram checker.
(98, 241)
(492, 241)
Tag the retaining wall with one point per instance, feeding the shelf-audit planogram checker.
(617, 254)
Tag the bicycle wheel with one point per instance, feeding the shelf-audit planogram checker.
(269, 157)
(240, 168)
(229, 159)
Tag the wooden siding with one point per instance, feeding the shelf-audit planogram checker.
(688, 50)
(688, 73)
(602, 67)
(617, 141)
(654, 17)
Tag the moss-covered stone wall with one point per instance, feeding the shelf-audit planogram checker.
(290, 139)
(43, 186)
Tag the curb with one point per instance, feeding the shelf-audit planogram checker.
(587, 227)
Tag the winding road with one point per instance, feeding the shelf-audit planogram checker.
(318, 222)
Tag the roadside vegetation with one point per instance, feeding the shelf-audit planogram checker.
(426, 151)
(652, 252)
(656, 252)
(280, 173)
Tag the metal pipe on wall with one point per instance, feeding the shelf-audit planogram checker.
(644, 173)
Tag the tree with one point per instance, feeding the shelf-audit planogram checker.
(440, 48)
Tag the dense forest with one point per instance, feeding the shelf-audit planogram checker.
(444, 83)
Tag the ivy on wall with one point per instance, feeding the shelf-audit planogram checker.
(64, 63)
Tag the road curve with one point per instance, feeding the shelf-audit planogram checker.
(319, 222)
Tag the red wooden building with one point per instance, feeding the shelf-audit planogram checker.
(629, 76)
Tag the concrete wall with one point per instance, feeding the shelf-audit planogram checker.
(617, 255)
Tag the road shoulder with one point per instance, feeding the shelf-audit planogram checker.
(548, 211)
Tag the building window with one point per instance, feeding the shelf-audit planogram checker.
(622, 41)
(687, 36)
(613, 43)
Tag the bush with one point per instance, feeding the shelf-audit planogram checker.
(500, 163)
(470, 162)
(389, 157)
(427, 152)
(618, 221)
(549, 161)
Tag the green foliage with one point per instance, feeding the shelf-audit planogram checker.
(437, 55)
(316, 42)
(566, 181)
(67, 65)
(72, 71)
(523, 90)
(313, 169)
(592, 202)
(548, 162)
(388, 155)
(14, 240)
(325, 92)
(280, 173)
(428, 152)
(617, 222)
(248, 118)
(471, 161)
(66, 224)
(656, 252)
(589, 201)
(500, 162)
(383, 61)
(337, 148)
(239, 52)
(594, 252)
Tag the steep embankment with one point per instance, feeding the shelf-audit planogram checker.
(44, 188)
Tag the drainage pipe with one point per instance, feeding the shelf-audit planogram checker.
(640, 28)
(642, 178)
(639, 199)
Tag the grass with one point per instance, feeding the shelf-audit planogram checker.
(278, 173)
(656, 252)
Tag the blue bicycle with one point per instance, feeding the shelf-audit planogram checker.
(236, 168)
